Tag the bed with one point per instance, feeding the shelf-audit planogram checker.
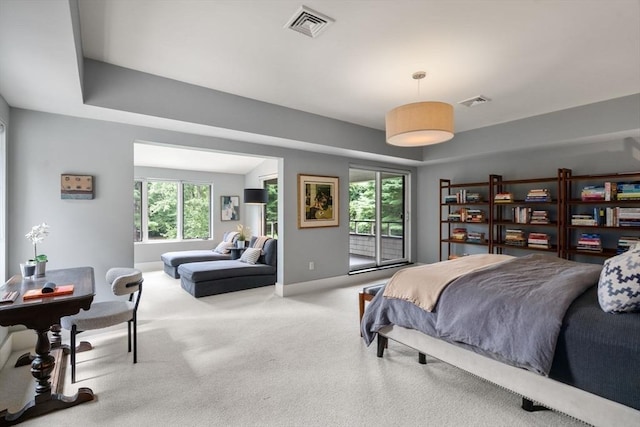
(530, 324)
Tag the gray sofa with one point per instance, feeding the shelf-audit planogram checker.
(172, 260)
(216, 277)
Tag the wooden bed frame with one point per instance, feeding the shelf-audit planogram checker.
(532, 387)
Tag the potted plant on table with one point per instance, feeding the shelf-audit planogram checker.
(37, 235)
(242, 235)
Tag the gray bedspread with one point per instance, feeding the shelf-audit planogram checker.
(512, 311)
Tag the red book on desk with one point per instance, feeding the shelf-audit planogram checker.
(37, 293)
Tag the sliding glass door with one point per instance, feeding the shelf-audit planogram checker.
(377, 218)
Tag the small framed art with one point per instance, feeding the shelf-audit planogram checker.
(229, 208)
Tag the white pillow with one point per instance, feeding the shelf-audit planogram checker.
(223, 247)
(250, 255)
(619, 284)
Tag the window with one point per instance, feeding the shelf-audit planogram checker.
(171, 210)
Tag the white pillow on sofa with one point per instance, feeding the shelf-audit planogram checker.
(250, 255)
(619, 284)
(223, 247)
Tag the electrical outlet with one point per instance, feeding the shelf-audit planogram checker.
(312, 265)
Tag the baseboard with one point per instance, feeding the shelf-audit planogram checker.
(335, 282)
(146, 267)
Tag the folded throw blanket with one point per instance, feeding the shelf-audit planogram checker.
(422, 285)
(259, 243)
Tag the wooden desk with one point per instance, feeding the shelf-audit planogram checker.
(40, 315)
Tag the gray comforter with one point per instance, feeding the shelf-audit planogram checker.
(512, 311)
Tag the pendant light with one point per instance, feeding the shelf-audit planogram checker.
(420, 123)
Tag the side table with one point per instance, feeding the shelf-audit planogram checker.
(236, 252)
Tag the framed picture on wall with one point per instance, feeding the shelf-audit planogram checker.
(318, 203)
(229, 208)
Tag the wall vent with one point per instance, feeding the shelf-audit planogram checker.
(475, 101)
(309, 22)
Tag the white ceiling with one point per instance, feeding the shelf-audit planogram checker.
(529, 56)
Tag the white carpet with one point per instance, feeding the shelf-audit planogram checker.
(251, 358)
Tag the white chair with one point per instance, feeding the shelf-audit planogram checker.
(102, 314)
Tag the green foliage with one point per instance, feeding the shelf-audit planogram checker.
(163, 210)
(197, 203)
(362, 196)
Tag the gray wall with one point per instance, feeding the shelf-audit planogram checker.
(98, 232)
(4, 118)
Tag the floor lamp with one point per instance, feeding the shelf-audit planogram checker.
(257, 196)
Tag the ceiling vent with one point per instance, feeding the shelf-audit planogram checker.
(309, 22)
(475, 101)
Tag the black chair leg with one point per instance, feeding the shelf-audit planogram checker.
(135, 339)
(129, 336)
(73, 354)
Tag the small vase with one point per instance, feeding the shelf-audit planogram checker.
(41, 267)
(27, 270)
(240, 243)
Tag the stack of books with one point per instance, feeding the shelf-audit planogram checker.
(539, 217)
(459, 234)
(451, 198)
(475, 237)
(538, 241)
(503, 198)
(474, 215)
(538, 195)
(462, 196)
(474, 197)
(626, 242)
(515, 238)
(583, 219)
(590, 242)
(628, 191)
(627, 217)
(592, 193)
(455, 216)
(521, 215)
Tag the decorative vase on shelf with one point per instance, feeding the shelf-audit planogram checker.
(240, 243)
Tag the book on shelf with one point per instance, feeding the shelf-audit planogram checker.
(591, 193)
(503, 198)
(610, 191)
(459, 233)
(521, 215)
(628, 191)
(539, 217)
(475, 236)
(626, 242)
(590, 242)
(538, 240)
(538, 195)
(463, 196)
(474, 215)
(515, 237)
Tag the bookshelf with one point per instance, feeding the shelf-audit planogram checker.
(464, 218)
(527, 214)
(599, 218)
(584, 217)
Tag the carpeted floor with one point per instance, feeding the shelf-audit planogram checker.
(251, 358)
